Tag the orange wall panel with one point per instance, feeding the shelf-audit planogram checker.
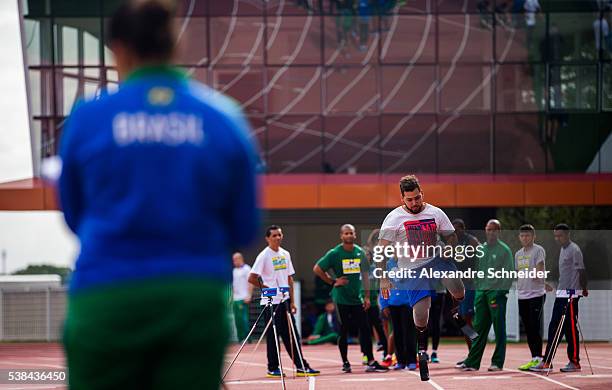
(22, 199)
(490, 194)
(353, 195)
(558, 193)
(603, 192)
(290, 196)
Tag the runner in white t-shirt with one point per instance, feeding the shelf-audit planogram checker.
(273, 269)
(418, 224)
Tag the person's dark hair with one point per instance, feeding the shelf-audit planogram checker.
(409, 183)
(527, 228)
(270, 228)
(459, 221)
(146, 27)
(562, 226)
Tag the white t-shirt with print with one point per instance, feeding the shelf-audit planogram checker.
(240, 282)
(274, 269)
(418, 230)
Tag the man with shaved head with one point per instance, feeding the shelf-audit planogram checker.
(349, 266)
(490, 300)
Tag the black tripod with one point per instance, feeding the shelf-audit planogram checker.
(270, 293)
(559, 334)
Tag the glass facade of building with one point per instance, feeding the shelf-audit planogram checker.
(433, 86)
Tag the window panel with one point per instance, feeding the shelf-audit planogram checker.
(409, 39)
(294, 144)
(236, 40)
(518, 144)
(571, 37)
(294, 40)
(464, 144)
(192, 41)
(246, 85)
(408, 89)
(77, 41)
(465, 88)
(236, 7)
(524, 42)
(350, 39)
(41, 92)
(521, 88)
(463, 38)
(352, 144)
(351, 90)
(294, 90)
(573, 87)
(409, 143)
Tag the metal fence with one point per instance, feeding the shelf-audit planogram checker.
(32, 314)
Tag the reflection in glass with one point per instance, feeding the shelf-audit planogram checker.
(409, 39)
(77, 41)
(572, 36)
(464, 144)
(573, 87)
(294, 40)
(352, 144)
(351, 90)
(295, 144)
(520, 88)
(518, 144)
(236, 40)
(465, 88)
(408, 143)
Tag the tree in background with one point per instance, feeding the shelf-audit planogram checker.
(46, 269)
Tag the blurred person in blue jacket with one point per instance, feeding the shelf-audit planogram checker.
(158, 183)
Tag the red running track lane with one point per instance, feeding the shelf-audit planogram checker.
(249, 371)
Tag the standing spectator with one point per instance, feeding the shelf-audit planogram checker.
(572, 285)
(490, 301)
(531, 292)
(242, 292)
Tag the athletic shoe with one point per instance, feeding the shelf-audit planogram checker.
(434, 357)
(459, 363)
(411, 366)
(534, 362)
(346, 367)
(427, 355)
(387, 361)
(308, 372)
(542, 367)
(466, 368)
(571, 367)
(399, 366)
(274, 374)
(494, 368)
(375, 367)
(393, 359)
(364, 360)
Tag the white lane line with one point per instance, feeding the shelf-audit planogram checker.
(430, 381)
(543, 377)
(33, 365)
(587, 376)
(482, 377)
(367, 380)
